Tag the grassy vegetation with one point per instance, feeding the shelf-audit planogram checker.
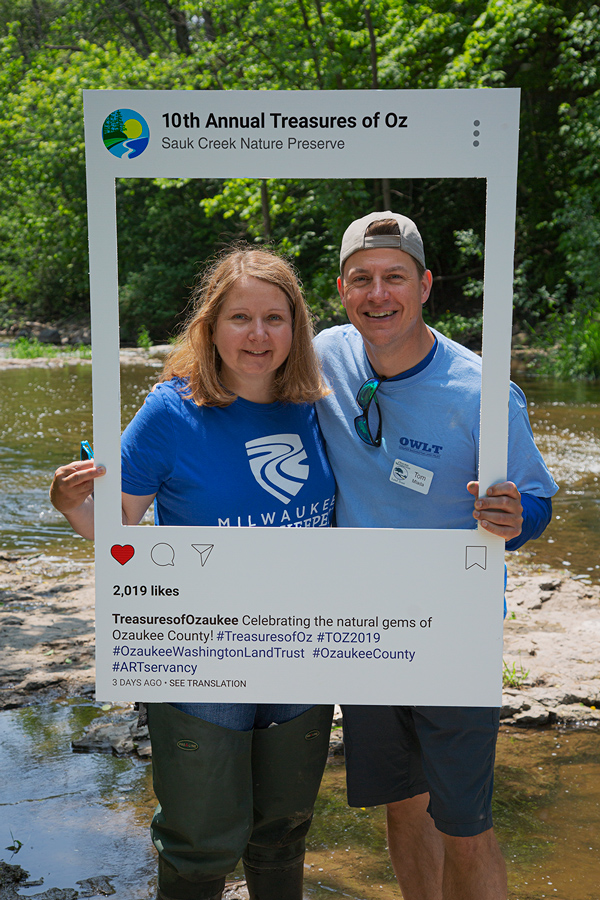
(31, 348)
(513, 676)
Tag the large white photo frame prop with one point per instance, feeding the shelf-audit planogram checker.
(301, 615)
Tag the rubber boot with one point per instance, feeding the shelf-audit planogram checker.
(287, 766)
(203, 782)
(216, 896)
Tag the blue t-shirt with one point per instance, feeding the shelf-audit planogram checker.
(430, 429)
(247, 464)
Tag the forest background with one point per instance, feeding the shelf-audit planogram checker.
(51, 50)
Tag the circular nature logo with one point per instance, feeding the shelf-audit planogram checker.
(125, 133)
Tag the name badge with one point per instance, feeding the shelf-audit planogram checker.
(411, 477)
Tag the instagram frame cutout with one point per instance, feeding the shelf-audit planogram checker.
(299, 615)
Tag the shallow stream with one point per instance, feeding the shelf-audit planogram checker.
(82, 819)
(76, 817)
(46, 412)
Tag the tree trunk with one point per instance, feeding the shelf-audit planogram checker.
(266, 212)
(386, 193)
(182, 36)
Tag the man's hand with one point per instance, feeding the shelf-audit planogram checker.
(499, 511)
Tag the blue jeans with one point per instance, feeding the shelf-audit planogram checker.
(243, 716)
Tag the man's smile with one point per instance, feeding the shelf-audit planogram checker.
(381, 315)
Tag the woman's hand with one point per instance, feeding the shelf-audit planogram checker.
(72, 484)
(71, 493)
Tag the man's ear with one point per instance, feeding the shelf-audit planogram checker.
(340, 287)
(426, 285)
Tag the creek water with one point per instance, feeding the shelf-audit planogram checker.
(565, 417)
(79, 817)
(82, 819)
(46, 412)
(44, 415)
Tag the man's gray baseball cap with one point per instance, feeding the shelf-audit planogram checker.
(408, 240)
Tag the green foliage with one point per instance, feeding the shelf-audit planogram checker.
(52, 49)
(164, 235)
(42, 188)
(572, 348)
(143, 338)
(16, 843)
(513, 677)
(458, 328)
(32, 348)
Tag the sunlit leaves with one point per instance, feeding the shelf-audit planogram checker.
(52, 49)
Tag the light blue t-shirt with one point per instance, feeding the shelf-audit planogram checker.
(247, 464)
(431, 423)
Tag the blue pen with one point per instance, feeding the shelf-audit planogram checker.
(85, 451)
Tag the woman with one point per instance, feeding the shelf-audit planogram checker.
(229, 436)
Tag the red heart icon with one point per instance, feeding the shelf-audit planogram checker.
(122, 554)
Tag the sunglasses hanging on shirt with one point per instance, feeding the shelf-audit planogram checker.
(365, 396)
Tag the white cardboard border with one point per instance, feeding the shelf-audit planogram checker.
(333, 574)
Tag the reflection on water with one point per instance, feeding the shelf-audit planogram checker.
(548, 812)
(79, 816)
(46, 412)
(565, 418)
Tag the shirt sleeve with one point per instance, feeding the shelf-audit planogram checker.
(537, 512)
(148, 446)
(526, 467)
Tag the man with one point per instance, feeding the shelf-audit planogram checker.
(403, 391)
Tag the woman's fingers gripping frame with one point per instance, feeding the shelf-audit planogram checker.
(73, 483)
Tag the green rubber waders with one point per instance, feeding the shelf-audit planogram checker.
(287, 766)
(203, 782)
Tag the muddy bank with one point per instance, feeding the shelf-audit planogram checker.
(46, 629)
(551, 649)
(551, 645)
(14, 878)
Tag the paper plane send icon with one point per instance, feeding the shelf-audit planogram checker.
(204, 550)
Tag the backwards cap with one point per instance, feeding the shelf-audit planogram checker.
(409, 239)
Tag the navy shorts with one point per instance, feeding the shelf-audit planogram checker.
(397, 752)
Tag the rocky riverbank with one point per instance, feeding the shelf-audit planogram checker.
(551, 647)
(129, 356)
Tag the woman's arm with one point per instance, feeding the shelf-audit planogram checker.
(134, 507)
(72, 494)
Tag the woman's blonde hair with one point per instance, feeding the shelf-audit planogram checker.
(195, 358)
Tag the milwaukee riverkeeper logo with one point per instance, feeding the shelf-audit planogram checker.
(277, 463)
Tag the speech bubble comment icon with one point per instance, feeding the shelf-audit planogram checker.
(162, 555)
(122, 553)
